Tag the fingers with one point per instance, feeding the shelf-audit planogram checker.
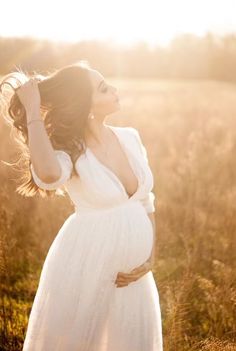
(30, 82)
(124, 282)
(123, 279)
(121, 284)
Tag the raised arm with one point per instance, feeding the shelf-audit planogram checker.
(42, 154)
(50, 168)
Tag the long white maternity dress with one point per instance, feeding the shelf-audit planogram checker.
(77, 306)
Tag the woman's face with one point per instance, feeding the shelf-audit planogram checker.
(105, 99)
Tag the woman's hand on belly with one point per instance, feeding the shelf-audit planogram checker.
(123, 279)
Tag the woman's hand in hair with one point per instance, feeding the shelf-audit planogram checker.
(29, 95)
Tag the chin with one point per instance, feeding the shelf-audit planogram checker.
(116, 108)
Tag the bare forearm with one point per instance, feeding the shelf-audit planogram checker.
(42, 154)
(152, 218)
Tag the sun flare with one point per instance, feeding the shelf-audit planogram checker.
(125, 22)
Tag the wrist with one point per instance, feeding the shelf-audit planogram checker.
(33, 113)
(32, 121)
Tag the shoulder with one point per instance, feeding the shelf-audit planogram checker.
(127, 131)
(133, 139)
(130, 135)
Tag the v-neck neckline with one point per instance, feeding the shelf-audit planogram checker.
(112, 128)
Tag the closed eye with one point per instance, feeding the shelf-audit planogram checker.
(104, 90)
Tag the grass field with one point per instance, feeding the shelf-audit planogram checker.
(189, 130)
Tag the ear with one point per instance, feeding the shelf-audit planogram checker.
(90, 116)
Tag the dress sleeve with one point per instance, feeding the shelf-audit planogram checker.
(148, 200)
(66, 169)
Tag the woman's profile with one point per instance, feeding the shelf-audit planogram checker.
(96, 290)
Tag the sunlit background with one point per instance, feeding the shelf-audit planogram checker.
(124, 21)
(174, 64)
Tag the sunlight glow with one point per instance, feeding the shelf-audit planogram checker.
(153, 21)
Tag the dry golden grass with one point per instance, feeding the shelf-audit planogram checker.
(189, 130)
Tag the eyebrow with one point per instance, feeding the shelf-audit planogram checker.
(100, 83)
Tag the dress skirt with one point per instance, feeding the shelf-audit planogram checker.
(78, 306)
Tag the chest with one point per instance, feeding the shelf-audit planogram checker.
(116, 160)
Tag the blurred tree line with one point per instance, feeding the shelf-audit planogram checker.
(191, 133)
(187, 57)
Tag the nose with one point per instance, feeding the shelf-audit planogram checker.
(115, 93)
(114, 89)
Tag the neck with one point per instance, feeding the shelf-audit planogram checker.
(96, 132)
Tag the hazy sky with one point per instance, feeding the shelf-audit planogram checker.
(123, 21)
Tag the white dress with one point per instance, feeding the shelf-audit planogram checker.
(77, 306)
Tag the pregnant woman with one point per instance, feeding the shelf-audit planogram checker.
(96, 290)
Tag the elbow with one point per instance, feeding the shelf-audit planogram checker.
(47, 177)
(50, 178)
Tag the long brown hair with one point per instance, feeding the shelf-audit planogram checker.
(66, 97)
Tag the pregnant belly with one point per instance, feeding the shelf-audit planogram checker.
(120, 237)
